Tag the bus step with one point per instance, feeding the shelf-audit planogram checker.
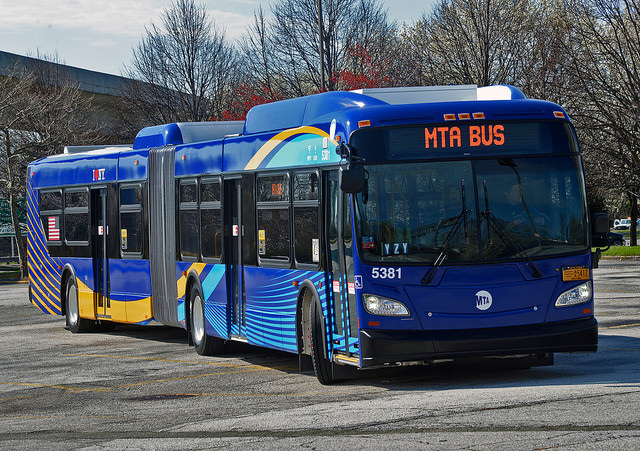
(345, 360)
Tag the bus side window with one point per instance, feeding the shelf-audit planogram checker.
(76, 216)
(305, 216)
(131, 235)
(51, 216)
(274, 228)
(210, 219)
(188, 220)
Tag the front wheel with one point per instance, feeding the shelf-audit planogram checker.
(74, 321)
(204, 344)
(321, 365)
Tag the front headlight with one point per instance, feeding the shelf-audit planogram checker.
(578, 295)
(379, 306)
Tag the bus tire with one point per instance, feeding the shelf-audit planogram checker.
(204, 344)
(321, 365)
(74, 321)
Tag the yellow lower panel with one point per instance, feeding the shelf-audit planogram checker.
(139, 311)
(86, 304)
(118, 311)
(131, 311)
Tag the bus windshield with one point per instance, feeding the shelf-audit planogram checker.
(497, 209)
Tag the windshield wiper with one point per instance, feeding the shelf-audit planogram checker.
(446, 245)
(505, 236)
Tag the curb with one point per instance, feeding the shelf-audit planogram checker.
(10, 276)
(620, 257)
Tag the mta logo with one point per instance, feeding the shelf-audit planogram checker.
(98, 174)
(483, 300)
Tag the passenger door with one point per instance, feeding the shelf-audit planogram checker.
(99, 234)
(341, 252)
(233, 255)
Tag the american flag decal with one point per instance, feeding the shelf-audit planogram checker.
(54, 228)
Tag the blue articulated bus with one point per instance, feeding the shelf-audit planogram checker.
(356, 229)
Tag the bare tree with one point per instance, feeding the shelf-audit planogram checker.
(606, 70)
(41, 110)
(284, 52)
(12, 160)
(258, 55)
(481, 42)
(546, 63)
(183, 68)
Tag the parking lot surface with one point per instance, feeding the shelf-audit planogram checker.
(145, 388)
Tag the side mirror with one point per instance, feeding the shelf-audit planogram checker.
(600, 226)
(343, 150)
(600, 223)
(352, 179)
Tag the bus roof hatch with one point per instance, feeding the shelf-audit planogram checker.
(431, 94)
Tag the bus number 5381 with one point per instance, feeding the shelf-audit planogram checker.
(386, 273)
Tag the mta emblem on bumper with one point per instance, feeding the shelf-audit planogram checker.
(483, 300)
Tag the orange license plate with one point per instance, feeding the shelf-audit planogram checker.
(575, 273)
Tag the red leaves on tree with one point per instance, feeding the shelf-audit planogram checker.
(246, 97)
(367, 73)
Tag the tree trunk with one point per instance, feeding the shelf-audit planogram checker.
(13, 203)
(633, 234)
(22, 248)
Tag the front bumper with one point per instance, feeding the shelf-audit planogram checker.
(379, 346)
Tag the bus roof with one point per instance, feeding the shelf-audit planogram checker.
(291, 113)
(287, 114)
(273, 133)
(185, 132)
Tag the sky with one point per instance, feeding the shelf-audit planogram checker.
(100, 36)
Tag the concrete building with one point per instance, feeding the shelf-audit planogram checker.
(105, 89)
(88, 80)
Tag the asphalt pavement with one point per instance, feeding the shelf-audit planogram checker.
(145, 388)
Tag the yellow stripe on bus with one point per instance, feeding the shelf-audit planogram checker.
(267, 147)
(41, 304)
(53, 278)
(38, 243)
(182, 282)
(35, 273)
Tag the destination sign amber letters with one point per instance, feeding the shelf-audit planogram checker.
(453, 137)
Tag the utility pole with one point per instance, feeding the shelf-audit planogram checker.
(321, 46)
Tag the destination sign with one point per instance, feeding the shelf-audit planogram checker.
(462, 139)
(471, 136)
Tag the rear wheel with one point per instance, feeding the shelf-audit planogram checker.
(75, 323)
(204, 344)
(321, 365)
